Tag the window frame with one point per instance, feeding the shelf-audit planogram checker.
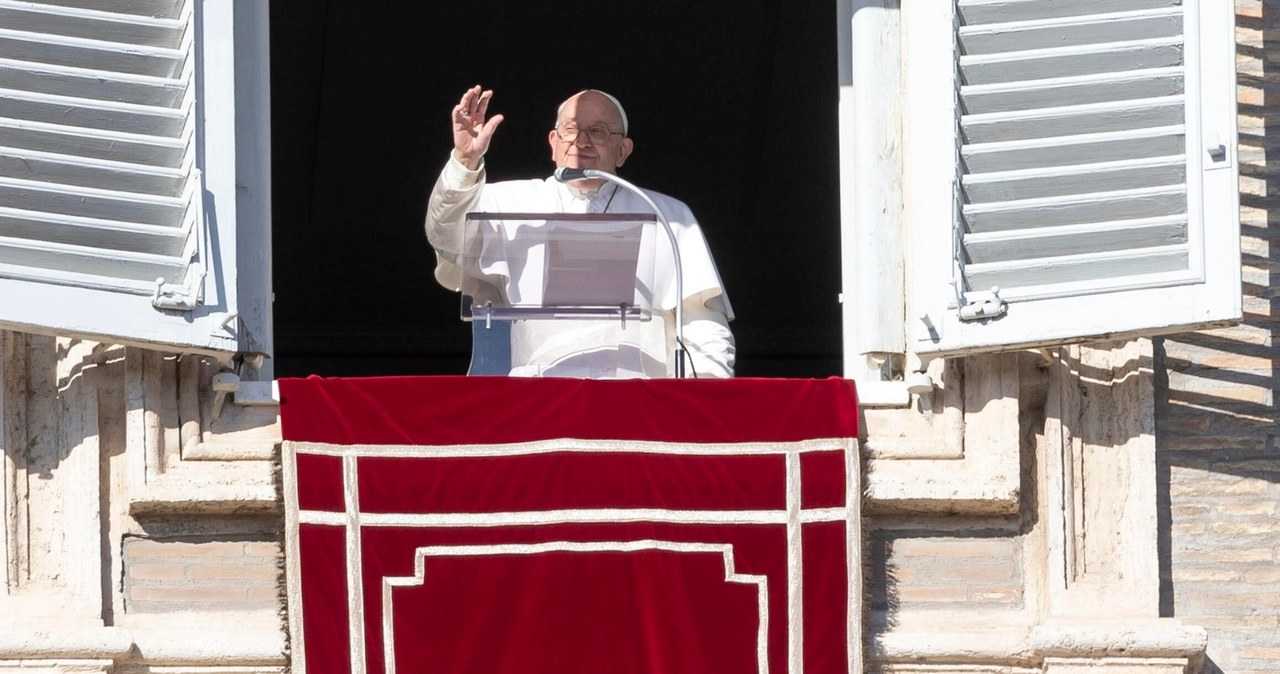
(232, 83)
(1207, 295)
(897, 64)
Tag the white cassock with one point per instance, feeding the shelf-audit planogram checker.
(597, 349)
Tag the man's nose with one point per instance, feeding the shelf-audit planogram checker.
(582, 140)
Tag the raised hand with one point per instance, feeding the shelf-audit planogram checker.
(471, 133)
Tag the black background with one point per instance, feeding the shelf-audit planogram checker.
(732, 108)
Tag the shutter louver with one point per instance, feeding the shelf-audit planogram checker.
(1072, 146)
(1084, 185)
(98, 180)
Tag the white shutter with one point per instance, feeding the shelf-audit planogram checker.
(106, 221)
(1085, 186)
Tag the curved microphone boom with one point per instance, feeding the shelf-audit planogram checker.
(565, 174)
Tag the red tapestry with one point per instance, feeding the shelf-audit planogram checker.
(448, 524)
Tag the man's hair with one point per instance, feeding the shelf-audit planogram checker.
(626, 125)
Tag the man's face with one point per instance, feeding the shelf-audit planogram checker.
(590, 112)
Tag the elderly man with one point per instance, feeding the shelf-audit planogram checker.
(590, 132)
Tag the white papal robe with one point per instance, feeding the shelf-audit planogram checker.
(598, 349)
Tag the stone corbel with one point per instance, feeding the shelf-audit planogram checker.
(183, 459)
(51, 532)
(962, 455)
(1102, 572)
(1100, 490)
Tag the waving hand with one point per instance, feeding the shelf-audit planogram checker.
(471, 132)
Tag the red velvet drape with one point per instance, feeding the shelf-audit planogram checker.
(582, 526)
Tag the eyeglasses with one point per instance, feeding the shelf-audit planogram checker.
(598, 135)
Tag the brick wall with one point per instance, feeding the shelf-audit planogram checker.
(201, 573)
(1216, 414)
(920, 568)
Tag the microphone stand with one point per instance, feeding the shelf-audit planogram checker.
(565, 174)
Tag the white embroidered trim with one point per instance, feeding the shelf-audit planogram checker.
(571, 445)
(355, 558)
(419, 566)
(577, 516)
(854, 563)
(293, 565)
(794, 516)
(795, 569)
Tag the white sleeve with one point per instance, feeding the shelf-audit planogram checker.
(456, 193)
(709, 342)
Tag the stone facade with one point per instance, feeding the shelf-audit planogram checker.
(142, 530)
(1101, 508)
(1216, 414)
(205, 573)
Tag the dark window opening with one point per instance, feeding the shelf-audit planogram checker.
(732, 108)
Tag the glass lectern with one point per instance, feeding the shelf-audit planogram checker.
(523, 270)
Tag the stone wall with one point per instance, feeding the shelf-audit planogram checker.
(141, 526)
(1219, 463)
(931, 568)
(206, 573)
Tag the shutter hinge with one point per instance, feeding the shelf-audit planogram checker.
(244, 393)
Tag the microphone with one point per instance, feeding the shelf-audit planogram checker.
(565, 174)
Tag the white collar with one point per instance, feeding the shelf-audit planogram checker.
(584, 194)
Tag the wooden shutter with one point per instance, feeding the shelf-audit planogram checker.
(98, 183)
(1091, 184)
(105, 220)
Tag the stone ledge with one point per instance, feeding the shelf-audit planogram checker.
(186, 639)
(916, 486)
(1115, 666)
(59, 666)
(205, 647)
(1004, 645)
(1154, 638)
(1154, 645)
(93, 643)
(209, 487)
(196, 498)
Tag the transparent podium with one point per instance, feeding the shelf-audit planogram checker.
(561, 294)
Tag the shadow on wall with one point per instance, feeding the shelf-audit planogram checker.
(1216, 389)
(1216, 415)
(943, 563)
(55, 391)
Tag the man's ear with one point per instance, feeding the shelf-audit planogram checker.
(625, 151)
(551, 140)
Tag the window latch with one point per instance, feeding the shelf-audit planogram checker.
(167, 296)
(980, 309)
